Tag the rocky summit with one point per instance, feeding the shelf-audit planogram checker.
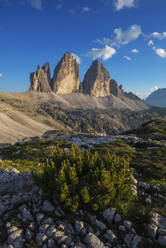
(66, 77)
(46, 69)
(115, 89)
(97, 80)
(39, 80)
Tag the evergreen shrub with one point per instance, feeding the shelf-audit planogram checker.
(86, 180)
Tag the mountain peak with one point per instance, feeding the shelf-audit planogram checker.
(66, 77)
(157, 98)
(67, 54)
(97, 80)
(39, 81)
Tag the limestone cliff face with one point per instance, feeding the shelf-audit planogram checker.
(66, 77)
(39, 81)
(97, 80)
(115, 89)
(46, 68)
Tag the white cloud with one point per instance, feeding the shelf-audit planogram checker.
(1, 75)
(77, 58)
(86, 9)
(59, 4)
(37, 4)
(135, 51)
(141, 96)
(144, 96)
(124, 37)
(154, 88)
(127, 57)
(121, 37)
(160, 52)
(105, 53)
(120, 4)
(150, 43)
(158, 35)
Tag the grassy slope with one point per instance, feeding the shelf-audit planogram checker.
(149, 162)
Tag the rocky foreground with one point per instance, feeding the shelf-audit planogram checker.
(29, 220)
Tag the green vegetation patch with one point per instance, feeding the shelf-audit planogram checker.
(155, 129)
(119, 147)
(29, 157)
(151, 163)
(86, 180)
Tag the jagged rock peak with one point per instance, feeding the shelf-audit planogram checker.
(115, 89)
(46, 68)
(66, 77)
(39, 81)
(97, 80)
(132, 96)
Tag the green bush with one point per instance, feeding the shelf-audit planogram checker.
(81, 179)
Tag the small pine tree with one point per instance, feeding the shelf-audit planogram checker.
(81, 179)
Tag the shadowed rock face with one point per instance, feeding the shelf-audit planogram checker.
(97, 80)
(39, 81)
(66, 77)
(115, 89)
(132, 96)
(46, 68)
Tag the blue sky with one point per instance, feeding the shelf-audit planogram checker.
(128, 36)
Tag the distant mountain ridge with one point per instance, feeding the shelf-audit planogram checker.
(157, 98)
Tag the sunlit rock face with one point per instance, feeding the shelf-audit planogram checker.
(39, 81)
(66, 77)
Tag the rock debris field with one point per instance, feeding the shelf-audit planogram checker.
(28, 219)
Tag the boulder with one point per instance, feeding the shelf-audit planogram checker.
(159, 220)
(110, 236)
(136, 241)
(93, 241)
(162, 241)
(109, 214)
(48, 207)
(152, 230)
(40, 238)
